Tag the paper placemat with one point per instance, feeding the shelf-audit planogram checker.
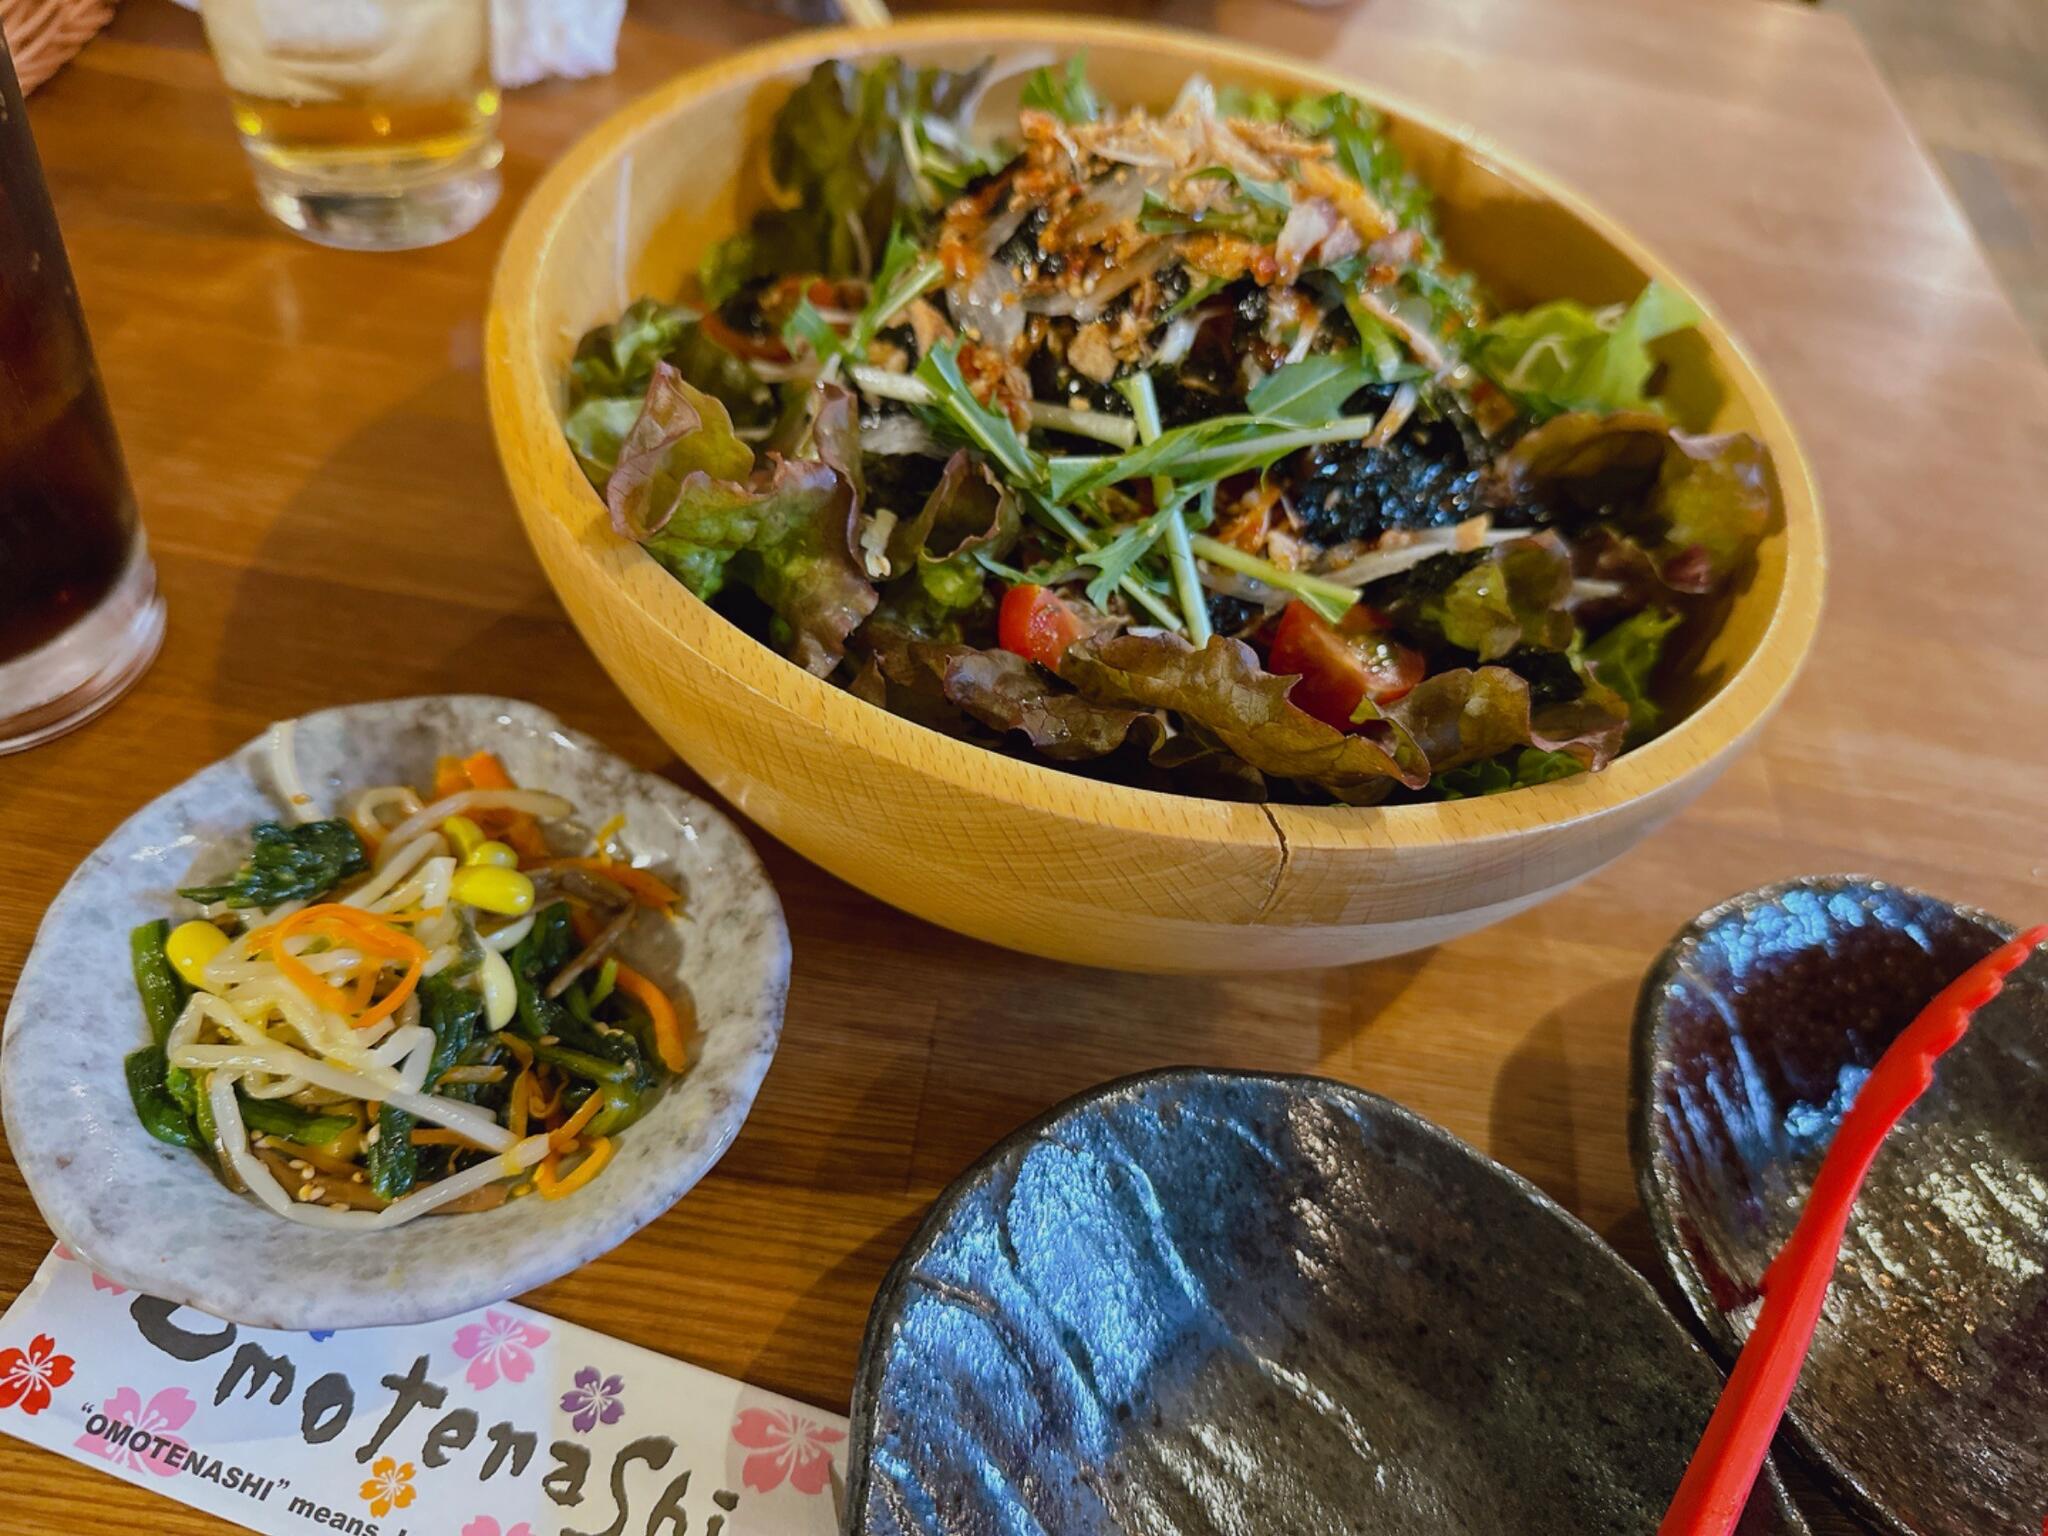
(505, 1422)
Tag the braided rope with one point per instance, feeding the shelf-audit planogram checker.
(44, 34)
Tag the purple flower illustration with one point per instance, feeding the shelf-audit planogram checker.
(500, 1345)
(594, 1401)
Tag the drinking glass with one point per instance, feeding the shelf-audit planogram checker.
(80, 618)
(370, 124)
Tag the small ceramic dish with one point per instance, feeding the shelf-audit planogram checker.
(1205, 1301)
(153, 1217)
(1925, 1397)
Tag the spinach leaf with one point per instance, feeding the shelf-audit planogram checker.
(162, 990)
(453, 1013)
(155, 1106)
(549, 945)
(393, 1161)
(274, 1117)
(288, 863)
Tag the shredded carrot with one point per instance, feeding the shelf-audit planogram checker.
(545, 1181)
(515, 1106)
(534, 1107)
(565, 1136)
(366, 931)
(484, 771)
(325, 1161)
(611, 829)
(412, 914)
(521, 833)
(644, 886)
(516, 829)
(669, 1043)
(585, 926)
(440, 1136)
(544, 1175)
(521, 1051)
(449, 779)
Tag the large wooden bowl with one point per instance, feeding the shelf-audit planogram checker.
(1008, 851)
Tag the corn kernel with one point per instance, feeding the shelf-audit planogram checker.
(504, 891)
(465, 834)
(501, 993)
(491, 854)
(191, 947)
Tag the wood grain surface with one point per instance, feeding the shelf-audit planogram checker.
(308, 436)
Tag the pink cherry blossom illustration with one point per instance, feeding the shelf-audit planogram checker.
(487, 1525)
(787, 1447)
(99, 1281)
(169, 1410)
(500, 1345)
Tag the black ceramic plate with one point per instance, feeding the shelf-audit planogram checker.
(1926, 1395)
(1198, 1303)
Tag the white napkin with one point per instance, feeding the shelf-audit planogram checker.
(535, 39)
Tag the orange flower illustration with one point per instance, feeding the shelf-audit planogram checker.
(388, 1487)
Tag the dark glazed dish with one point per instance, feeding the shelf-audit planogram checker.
(1926, 1395)
(1198, 1302)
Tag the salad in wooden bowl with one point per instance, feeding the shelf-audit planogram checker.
(1021, 433)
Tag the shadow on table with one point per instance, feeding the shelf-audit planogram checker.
(790, 1353)
(1540, 1126)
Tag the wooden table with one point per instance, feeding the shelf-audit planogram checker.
(306, 430)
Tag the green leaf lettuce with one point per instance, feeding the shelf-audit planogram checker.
(1625, 658)
(689, 491)
(1562, 356)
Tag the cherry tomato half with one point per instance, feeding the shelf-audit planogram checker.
(1036, 622)
(1338, 665)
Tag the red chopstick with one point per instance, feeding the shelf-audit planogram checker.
(1717, 1484)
